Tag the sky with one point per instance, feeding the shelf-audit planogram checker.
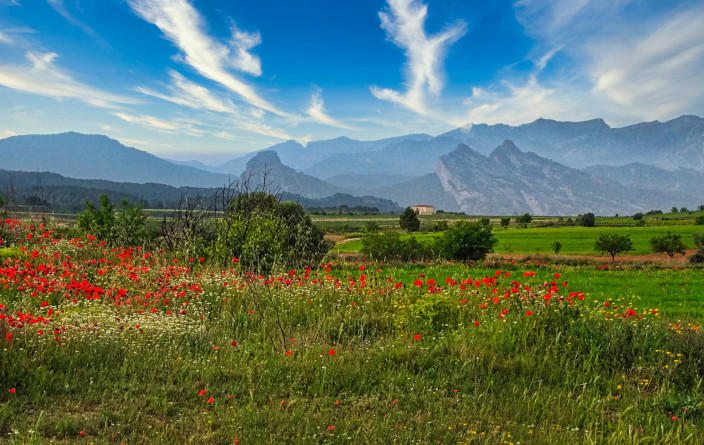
(213, 79)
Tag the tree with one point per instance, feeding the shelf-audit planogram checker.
(673, 209)
(613, 244)
(669, 243)
(466, 241)
(587, 220)
(505, 221)
(637, 216)
(409, 220)
(524, 220)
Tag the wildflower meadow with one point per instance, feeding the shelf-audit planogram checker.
(126, 345)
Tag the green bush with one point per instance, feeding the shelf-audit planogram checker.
(699, 220)
(613, 244)
(466, 241)
(262, 233)
(124, 227)
(433, 311)
(587, 220)
(390, 246)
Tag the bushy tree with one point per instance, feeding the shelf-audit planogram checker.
(669, 243)
(587, 220)
(505, 221)
(466, 241)
(556, 247)
(123, 227)
(409, 220)
(637, 216)
(613, 244)
(262, 233)
(699, 220)
(524, 220)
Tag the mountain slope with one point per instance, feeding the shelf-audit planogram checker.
(673, 144)
(683, 180)
(97, 157)
(510, 181)
(266, 170)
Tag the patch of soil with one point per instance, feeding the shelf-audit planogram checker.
(659, 258)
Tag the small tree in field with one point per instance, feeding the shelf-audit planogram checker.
(556, 247)
(613, 244)
(669, 243)
(505, 221)
(409, 220)
(587, 220)
(524, 220)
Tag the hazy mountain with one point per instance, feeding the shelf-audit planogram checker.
(97, 157)
(510, 181)
(266, 167)
(672, 144)
(301, 157)
(424, 190)
(365, 181)
(683, 180)
(403, 157)
(70, 193)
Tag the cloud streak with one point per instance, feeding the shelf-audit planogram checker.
(404, 23)
(317, 112)
(183, 26)
(44, 78)
(59, 7)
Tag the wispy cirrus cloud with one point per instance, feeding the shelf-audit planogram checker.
(317, 112)
(60, 7)
(169, 126)
(622, 68)
(189, 94)
(183, 26)
(404, 23)
(44, 78)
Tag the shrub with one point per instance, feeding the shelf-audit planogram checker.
(698, 240)
(505, 221)
(467, 241)
(699, 220)
(409, 220)
(440, 226)
(262, 233)
(124, 227)
(638, 216)
(390, 246)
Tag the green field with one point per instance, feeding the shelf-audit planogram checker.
(574, 240)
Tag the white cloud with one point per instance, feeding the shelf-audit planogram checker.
(404, 23)
(189, 94)
(657, 73)
(317, 112)
(183, 26)
(59, 7)
(7, 134)
(174, 126)
(4, 38)
(44, 78)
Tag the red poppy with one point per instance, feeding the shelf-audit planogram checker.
(331, 352)
(12, 390)
(202, 392)
(416, 337)
(529, 313)
(211, 400)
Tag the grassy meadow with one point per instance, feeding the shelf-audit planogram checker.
(115, 345)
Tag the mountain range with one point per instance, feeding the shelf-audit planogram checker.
(545, 167)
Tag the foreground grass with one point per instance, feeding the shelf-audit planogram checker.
(127, 346)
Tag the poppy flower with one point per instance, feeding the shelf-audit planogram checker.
(13, 390)
(332, 352)
(202, 392)
(529, 313)
(416, 337)
(211, 400)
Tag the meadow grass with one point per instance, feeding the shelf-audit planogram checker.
(108, 345)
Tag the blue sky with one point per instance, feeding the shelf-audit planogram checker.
(212, 79)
